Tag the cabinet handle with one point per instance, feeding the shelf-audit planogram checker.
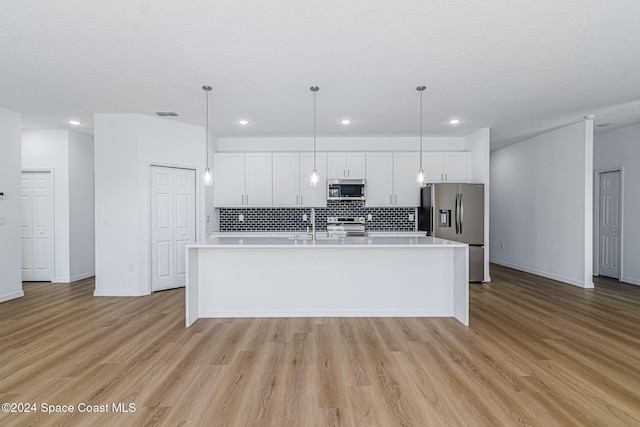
(441, 177)
(446, 176)
(297, 203)
(348, 173)
(247, 196)
(344, 173)
(396, 199)
(242, 199)
(390, 199)
(301, 202)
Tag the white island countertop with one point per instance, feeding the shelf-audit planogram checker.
(326, 242)
(283, 276)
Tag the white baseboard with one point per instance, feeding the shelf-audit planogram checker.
(61, 280)
(12, 295)
(82, 276)
(116, 293)
(630, 281)
(542, 273)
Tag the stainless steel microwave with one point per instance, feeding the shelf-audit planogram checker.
(346, 189)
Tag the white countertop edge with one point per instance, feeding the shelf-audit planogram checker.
(366, 242)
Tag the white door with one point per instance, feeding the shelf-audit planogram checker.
(229, 182)
(455, 167)
(37, 227)
(609, 256)
(173, 225)
(356, 165)
(336, 165)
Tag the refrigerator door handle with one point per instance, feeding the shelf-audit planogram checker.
(461, 213)
(455, 215)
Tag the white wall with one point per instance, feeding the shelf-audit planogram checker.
(620, 149)
(541, 205)
(391, 143)
(126, 145)
(49, 150)
(478, 144)
(10, 207)
(81, 207)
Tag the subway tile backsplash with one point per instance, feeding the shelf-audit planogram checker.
(290, 219)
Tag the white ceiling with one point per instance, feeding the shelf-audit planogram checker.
(518, 67)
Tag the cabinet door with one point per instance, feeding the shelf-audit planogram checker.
(406, 190)
(336, 165)
(229, 180)
(455, 167)
(356, 165)
(379, 180)
(258, 179)
(286, 173)
(432, 163)
(313, 196)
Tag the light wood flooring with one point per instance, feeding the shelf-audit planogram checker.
(537, 353)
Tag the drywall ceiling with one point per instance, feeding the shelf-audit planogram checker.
(517, 67)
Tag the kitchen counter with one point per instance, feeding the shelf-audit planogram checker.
(330, 277)
(302, 241)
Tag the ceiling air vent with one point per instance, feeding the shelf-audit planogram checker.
(167, 113)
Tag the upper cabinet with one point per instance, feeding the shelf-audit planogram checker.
(346, 166)
(391, 180)
(243, 180)
(445, 167)
(291, 183)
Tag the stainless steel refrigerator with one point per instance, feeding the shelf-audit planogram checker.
(456, 212)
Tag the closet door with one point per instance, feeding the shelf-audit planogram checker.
(37, 227)
(173, 217)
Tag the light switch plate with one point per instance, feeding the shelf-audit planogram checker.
(240, 217)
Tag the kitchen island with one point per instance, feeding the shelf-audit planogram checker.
(327, 277)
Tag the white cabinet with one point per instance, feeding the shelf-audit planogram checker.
(313, 196)
(243, 180)
(391, 179)
(291, 183)
(379, 179)
(445, 167)
(346, 165)
(405, 187)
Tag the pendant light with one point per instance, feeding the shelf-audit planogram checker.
(314, 179)
(421, 180)
(208, 178)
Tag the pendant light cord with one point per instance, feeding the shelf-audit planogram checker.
(207, 89)
(421, 89)
(314, 89)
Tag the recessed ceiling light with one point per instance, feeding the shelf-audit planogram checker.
(454, 121)
(345, 121)
(74, 122)
(243, 122)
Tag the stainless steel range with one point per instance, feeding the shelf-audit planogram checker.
(345, 226)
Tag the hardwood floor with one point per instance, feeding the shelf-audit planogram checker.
(537, 353)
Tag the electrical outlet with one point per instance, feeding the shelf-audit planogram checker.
(240, 217)
(304, 217)
(410, 217)
(501, 246)
(208, 219)
(369, 217)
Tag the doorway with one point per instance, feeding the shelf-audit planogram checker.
(609, 241)
(173, 225)
(37, 226)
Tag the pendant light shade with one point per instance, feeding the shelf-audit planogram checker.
(314, 179)
(208, 177)
(421, 180)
